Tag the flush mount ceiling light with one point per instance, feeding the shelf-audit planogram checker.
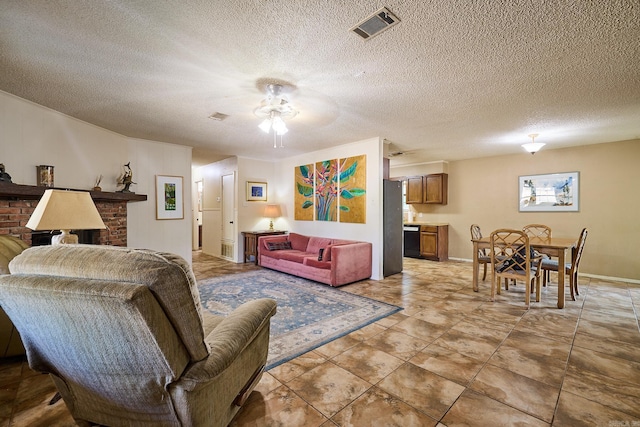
(274, 109)
(533, 147)
(373, 25)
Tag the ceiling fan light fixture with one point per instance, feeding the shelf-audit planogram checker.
(275, 108)
(265, 126)
(278, 125)
(533, 147)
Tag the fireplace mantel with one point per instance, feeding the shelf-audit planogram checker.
(32, 192)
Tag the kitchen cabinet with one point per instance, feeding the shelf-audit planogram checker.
(427, 189)
(414, 190)
(435, 188)
(434, 242)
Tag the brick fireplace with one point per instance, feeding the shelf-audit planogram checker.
(14, 214)
(17, 203)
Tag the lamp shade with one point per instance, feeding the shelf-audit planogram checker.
(65, 210)
(272, 211)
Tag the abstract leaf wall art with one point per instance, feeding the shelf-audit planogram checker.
(303, 199)
(326, 190)
(352, 187)
(332, 190)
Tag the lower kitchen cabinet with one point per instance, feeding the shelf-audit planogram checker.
(434, 242)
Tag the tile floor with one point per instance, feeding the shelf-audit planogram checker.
(450, 358)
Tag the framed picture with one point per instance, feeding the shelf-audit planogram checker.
(555, 192)
(256, 191)
(169, 198)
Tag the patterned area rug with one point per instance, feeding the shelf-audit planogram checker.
(309, 314)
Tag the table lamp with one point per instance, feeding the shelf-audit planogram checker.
(272, 211)
(65, 210)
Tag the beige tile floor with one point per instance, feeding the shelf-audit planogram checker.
(450, 358)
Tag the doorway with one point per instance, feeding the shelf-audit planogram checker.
(199, 191)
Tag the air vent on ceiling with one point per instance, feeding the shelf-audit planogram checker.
(375, 24)
(218, 116)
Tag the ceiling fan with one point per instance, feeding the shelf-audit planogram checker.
(392, 150)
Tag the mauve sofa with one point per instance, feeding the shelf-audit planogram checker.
(343, 261)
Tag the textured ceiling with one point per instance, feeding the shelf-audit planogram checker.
(453, 80)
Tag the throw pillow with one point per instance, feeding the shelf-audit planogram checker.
(267, 240)
(276, 246)
(517, 260)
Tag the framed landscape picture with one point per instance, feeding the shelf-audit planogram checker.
(555, 192)
(169, 197)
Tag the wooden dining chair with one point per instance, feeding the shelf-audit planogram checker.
(540, 231)
(571, 269)
(511, 258)
(483, 256)
(543, 232)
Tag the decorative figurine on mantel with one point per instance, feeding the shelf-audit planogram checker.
(97, 186)
(4, 177)
(126, 179)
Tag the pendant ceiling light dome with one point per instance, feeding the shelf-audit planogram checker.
(533, 147)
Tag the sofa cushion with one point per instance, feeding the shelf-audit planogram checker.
(278, 246)
(315, 243)
(341, 242)
(313, 262)
(298, 242)
(289, 255)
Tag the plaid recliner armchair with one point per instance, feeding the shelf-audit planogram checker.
(123, 335)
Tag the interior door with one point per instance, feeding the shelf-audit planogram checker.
(228, 202)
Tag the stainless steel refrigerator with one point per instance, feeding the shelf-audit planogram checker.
(392, 227)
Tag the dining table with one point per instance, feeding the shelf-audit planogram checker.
(554, 247)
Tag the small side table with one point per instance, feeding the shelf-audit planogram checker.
(251, 242)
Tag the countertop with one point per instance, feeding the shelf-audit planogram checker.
(433, 224)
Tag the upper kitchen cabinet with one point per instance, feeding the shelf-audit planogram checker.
(435, 188)
(414, 190)
(431, 189)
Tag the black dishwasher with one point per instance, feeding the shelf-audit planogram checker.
(411, 240)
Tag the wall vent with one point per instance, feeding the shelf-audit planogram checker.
(381, 20)
(227, 250)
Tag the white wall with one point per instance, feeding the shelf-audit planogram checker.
(143, 229)
(32, 135)
(249, 214)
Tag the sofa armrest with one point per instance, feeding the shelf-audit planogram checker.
(350, 262)
(229, 339)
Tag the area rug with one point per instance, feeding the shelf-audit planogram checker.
(309, 314)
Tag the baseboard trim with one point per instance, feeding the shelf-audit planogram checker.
(592, 276)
